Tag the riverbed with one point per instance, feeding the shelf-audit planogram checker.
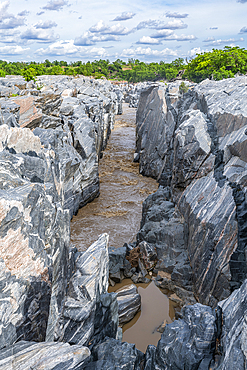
(117, 211)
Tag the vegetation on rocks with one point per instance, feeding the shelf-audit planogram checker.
(216, 65)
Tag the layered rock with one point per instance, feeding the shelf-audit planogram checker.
(129, 303)
(49, 356)
(48, 169)
(194, 144)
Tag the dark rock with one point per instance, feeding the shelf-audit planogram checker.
(129, 303)
(190, 342)
(148, 255)
(195, 144)
(233, 326)
(117, 263)
(114, 355)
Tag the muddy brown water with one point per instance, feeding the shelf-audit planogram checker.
(117, 212)
(156, 307)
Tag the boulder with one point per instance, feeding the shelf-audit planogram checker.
(115, 355)
(129, 303)
(188, 343)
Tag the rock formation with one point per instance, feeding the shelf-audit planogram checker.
(55, 309)
(50, 142)
(194, 144)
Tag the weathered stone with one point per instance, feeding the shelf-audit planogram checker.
(39, 356)
(190, 342)
(232, 316)
(30, 116)
(114, 355)
(116, 263)
(196, 144)
(129, 303)
(89, 310)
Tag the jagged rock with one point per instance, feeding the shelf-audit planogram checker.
(45, 176)
(39, 356)
(114, 355)
(195, 143)
(30, 116)
(162, 228)
(117, 264)
(233, 318)
(129, 303)
(188, 342)
(148, 255)
(139, 278)
(89, 311)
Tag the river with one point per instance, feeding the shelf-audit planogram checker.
(117, 211)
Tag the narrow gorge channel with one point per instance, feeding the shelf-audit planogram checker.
(117, 211)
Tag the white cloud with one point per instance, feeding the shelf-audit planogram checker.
(224, 42)
(7, 20)
(161, 25)
(45, 24)
(24, 13)
(148, 40)
(124, 16)
(55, 5)
(176, 15)
(170, 35)
(89, 38)
(195, 51)
(148, 52)
(209, 39)
(68, 48)
(116, 29)
(38, 35)
(243, 30)
(12, 50)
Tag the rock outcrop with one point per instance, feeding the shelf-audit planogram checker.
(49, 152)
(194, 145)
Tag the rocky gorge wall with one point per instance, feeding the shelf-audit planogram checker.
(194, 144)
(51, 139)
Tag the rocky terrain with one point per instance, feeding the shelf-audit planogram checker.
(55, 312)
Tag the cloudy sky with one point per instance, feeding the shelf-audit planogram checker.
(109, 29)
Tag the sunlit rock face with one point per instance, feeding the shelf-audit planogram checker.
(195, 145)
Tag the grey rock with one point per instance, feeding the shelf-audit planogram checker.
(129, 303)
(232, 315)
(89, 311)
(195, 144)
(190, 342)
(49, 356)
(148, 255)
(114, 355)
(117, 263)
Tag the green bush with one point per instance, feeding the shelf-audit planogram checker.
(183, 88)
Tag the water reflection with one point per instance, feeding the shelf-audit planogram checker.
(155, 309)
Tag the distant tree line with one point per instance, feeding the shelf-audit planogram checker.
(217, 64)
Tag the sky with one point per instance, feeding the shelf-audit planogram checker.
(150, 31)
